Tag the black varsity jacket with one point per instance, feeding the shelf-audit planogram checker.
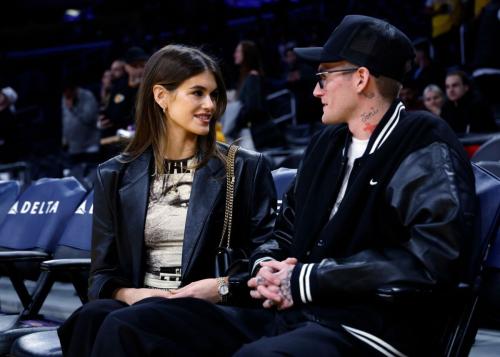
(407, 215)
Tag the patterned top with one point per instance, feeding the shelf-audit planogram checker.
(165, 224)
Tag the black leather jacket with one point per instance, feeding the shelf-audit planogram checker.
(120, 204)
(407, 215)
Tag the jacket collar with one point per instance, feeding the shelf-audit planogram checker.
(383, 130)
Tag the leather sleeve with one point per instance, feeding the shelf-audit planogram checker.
(262, 205)
(432, 196)
(104, 274)
(278, 247)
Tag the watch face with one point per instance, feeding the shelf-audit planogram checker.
(224, 290)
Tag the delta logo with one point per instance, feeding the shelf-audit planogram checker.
(35, 207)
(81, 208)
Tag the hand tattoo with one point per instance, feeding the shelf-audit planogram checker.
(286, 287)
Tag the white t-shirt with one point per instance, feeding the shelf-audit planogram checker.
(356, 150)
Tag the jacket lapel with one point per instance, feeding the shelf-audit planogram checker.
(134, 196)
(206, 187)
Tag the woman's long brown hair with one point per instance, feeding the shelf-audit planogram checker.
(170, 67)
(251, 61)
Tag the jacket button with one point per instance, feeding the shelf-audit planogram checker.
(320, 243)
(308, 252)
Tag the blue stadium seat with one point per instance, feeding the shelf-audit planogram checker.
(36, 221)
(282, 178)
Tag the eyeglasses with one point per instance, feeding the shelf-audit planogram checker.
(320, 74)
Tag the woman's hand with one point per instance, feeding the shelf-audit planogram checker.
(206, 289)
(132, 295)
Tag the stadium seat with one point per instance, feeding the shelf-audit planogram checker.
(491, 166)
(29, 234)
(489, 151)
(282, 178)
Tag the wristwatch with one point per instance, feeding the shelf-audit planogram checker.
(223, 289)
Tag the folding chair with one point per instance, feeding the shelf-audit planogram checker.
(458, 325)
(71, 256)
(30, 233)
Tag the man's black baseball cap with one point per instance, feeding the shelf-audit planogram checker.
(134, 54)
(367, 42)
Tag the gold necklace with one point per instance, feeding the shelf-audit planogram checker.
(174, 189)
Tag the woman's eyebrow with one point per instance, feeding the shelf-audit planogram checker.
(198, 87)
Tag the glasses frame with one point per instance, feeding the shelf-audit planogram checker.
(319, 74)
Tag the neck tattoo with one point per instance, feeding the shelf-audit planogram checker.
(366, 116)
(369, 127)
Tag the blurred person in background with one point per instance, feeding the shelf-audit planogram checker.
(251, 93)
(300, 79)
(117, 70)
(8, 126)
(434, 99)
(425, 71)
(464, 110)
(80, 135)
(106, 85)
(486, 62)
(409, 96)
(446, 17)
(119, 113)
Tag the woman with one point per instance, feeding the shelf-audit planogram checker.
(251, 93)
(433, 99)
(159, 207)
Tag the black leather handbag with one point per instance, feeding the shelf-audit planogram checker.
(229, 261)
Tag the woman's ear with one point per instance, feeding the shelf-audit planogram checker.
(161, 96)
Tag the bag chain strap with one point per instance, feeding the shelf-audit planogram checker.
(228, 217)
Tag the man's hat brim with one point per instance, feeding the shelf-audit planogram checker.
(316, 55)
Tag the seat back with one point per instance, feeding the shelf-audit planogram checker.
(9, 191)
(40, 215)
(461, 320)
(75, 242)
(487, 220)
(489, 151)
(282, 178)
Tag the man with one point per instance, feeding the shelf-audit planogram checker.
(425, 71)
(464, 111)
(486, 63)
(409, 96)
(382, 196)
(117, 70)
(80, 134)
(119, 113)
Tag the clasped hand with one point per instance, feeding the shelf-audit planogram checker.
(273, 283)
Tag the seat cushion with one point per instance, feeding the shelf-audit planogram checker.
(40, 344)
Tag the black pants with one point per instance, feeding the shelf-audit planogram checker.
(194, 327)
(78, 333)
